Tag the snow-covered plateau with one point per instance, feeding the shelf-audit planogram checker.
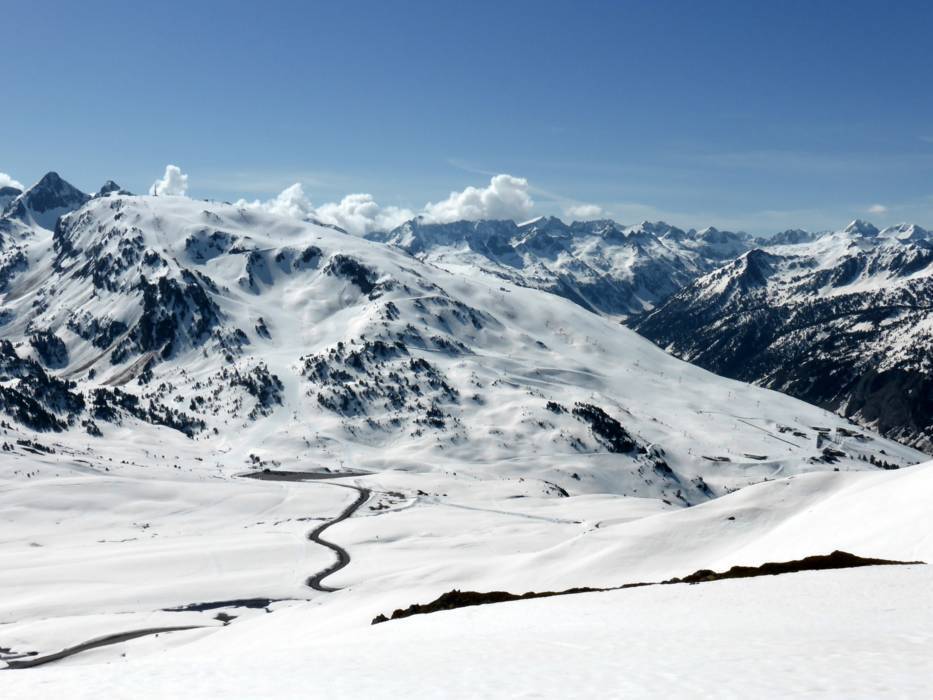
(465, 431)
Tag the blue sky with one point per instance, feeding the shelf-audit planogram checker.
(748, 115)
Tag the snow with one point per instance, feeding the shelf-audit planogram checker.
(103, 535)
(843, 633)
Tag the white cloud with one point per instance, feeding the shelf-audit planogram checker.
(356, 213)
(7, 181)
(359, 214)
(174, 182)
(506, 197)
(583, 212)
(877, 209)
(290, 202)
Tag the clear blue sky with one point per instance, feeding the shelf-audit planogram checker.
(761, 115)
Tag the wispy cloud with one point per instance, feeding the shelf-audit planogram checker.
(583, 212)
(877, 209)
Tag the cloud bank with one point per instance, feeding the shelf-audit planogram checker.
(359, 214)
(506, 197)
(356, 213)
(173, 183)
(7, 181)
(289, 202)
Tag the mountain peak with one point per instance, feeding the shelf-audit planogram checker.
(791, 236)
(47, 200)
(860, 227)
(906, 232)
(110, 187)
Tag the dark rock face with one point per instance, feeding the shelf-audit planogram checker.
(100, 332)
(352, 271)
(847, 336)
(609, 431)
(34, 398)
(50, 348)
(173, 312)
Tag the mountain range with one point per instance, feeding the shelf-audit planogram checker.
(220, 426)
(602, 266)
(843, 320)
(839, 319)
(297, 342)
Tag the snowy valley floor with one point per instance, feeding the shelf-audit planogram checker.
(91, 554)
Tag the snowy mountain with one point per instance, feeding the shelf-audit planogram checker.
(198, 317)
(449, 430)
(843, 320)
(600, 265)
(43, 203)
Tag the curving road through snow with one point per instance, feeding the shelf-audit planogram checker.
(343, 556)
(314, 581)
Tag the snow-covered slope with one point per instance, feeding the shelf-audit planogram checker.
(844, 321)
(155, 349)
(817, 632)
(601, 265)
(289, 342)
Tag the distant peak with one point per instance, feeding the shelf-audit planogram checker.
(861, 228)
(110, 187)
(906, 232)
(791, 236)
(46, 200)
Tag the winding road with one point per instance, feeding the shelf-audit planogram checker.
(30, 661)
(343, 556)
(314, 581)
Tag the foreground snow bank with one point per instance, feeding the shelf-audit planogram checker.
(857, 633)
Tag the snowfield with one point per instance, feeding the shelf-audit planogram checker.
(841, 633)
(156, 351)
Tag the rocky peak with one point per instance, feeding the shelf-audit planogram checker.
(110, 187)
(47, 200)
(861, 228)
